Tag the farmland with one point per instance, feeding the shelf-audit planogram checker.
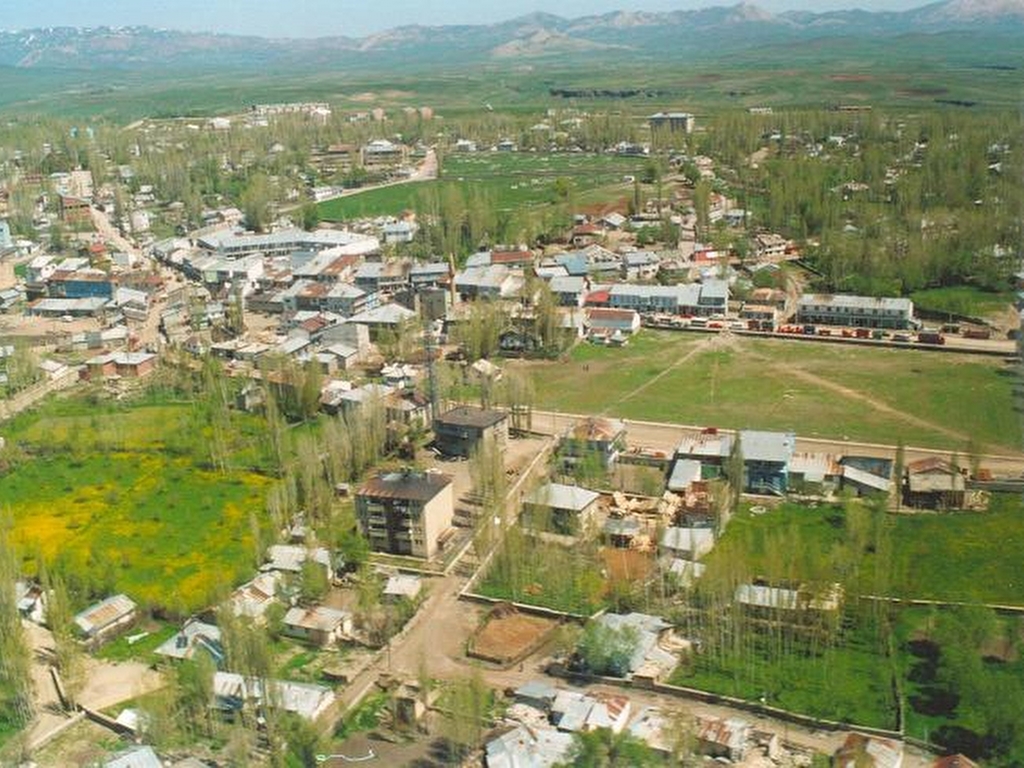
(513, 181)
(817, 390)
(106, 494)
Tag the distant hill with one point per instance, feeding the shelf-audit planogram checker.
(667, 35)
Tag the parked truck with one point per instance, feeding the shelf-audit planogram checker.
(977, 333)
(930, 337)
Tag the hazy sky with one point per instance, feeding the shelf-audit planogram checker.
(311, 18)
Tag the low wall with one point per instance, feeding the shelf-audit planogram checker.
(756, 708)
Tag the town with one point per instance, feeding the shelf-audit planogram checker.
(379, 435)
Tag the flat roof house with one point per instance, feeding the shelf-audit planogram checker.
(406, 512)
(564, 509)
(459, 431)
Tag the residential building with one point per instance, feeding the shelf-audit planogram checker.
(524, 747)
(291, 558)
(569, 291)
(640, 265)
(318, 625)
(126, 365)
(771, 602)
(934, 483)
(760, 317)
(723, 737)
(284, 242)
(855, 311)
(565, 509)
(194, 637)
(594, 437)
(406, 512)
(620, 323)
(382, 154)
(459, 431)
(402, 586)
(656, 652)
(766, 457)
(710, 447)
(233, 693)
(861, 751)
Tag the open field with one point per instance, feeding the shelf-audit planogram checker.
(816, 390)
(968, 557)
(511, 181)
(108, 495)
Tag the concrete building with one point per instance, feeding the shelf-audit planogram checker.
(855, 311)
(459, 431)
(318, 625)
(406, 512)
(673, 122)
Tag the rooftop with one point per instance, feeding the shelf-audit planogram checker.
(558, 496)
(469, 416)
(408, 485)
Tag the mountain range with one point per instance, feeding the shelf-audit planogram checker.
(671, 34)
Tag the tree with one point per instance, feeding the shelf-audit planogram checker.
(256, 199)
(310, 215)
(68, 655)
(194, 688)
(313, 583)
(606, 650)
(469, 701)
(735, 470)
(603, 748)
(899, 467)
(15, 655)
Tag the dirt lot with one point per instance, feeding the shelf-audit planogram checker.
(626, 564)
(509, 635)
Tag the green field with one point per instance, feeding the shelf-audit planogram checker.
(118, 499)
(510, 181)
(816, 390)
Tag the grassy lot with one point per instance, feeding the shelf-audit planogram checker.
(511, 181)
(848, 683)
(966, 557)
(529, 571)
(142, 650)
(116, 497)
(963, 300)
(818, 390)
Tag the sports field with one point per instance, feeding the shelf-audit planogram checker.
(817, 390)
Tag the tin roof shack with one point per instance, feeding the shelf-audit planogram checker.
(106, 618)
(655, 729)
(860, 751)
(406, 512)
(232, 693)
(572, 711)
(402, 586)
(564, 509)
(594, 438)
(459, 431)
(194, 636)
(135, 757)
(934, 483)
(723, 737)
(687, 543)
(252, 599)
(766, 458)
(319, 625)
(524, 747)
(710, 447)
(290, 558)
(801, 607)
(30, 597)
